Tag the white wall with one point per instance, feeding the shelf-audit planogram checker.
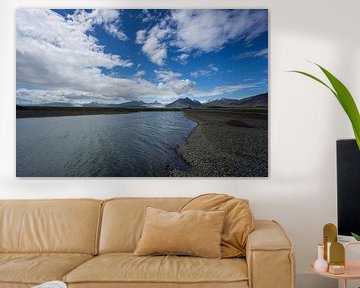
(305, 120)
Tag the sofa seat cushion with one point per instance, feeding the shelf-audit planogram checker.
(36, 268)
(125, 267)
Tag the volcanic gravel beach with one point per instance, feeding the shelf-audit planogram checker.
(227, 143)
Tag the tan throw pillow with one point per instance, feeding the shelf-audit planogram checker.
(196, 233)
(239, 220)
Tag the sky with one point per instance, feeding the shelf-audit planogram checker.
(115, 56)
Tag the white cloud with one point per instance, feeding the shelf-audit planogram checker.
(153, 45)
(169, 81)
(140, 73)
(205, 72)
(200, 73)
(182, 58)
(164, 92)
(140, 36)
(38, 96)
(166, 75)
(180, 87)
(213, 67)
(263, 52)
(111, 29)
(254, 53)
(210, 30)
(200, 30)
(55, 54)
(50, 48)
(146, 16)
(229, 89)
(107, 18)
(62, 62)
(221, 90)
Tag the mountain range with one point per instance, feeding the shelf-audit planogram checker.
(131, 104)
(253, 101)
(184, 103)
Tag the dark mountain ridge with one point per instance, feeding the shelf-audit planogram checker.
(184, 103)
(252, 101)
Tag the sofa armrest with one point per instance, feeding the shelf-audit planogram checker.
(269, 256)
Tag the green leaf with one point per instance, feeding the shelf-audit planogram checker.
(356, 236)
(347, 102)
(314, 78)
(344, 97)
(357, 137)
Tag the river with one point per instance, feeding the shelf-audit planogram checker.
(141, 144)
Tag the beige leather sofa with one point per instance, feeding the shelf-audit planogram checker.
(89, 243)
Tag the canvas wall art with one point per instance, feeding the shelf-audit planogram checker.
(142, 93)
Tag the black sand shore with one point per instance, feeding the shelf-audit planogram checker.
(227, 143)
(42, 111)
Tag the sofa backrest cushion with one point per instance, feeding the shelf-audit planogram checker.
(64, 226)
(123, 220)
(239, 220)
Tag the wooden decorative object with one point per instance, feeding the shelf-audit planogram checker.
(330, 236)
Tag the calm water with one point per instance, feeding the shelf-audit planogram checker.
(135, 144)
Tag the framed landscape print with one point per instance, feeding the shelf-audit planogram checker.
(142, 93)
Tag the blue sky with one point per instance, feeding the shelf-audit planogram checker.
(114, 56)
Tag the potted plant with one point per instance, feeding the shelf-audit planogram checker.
(345, 99)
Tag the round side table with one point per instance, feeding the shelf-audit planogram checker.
(352, 269)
